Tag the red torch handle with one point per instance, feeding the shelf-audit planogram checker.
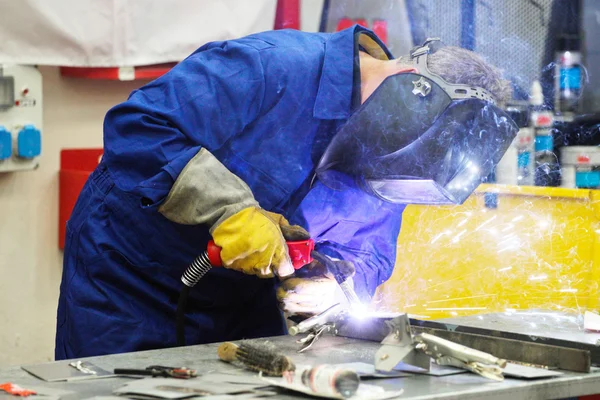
(300, 253)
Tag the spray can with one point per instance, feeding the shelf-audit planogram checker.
(568, 76)
(547, 169)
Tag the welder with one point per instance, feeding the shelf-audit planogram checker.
(326, 131)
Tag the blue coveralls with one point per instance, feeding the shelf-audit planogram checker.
(266, 106)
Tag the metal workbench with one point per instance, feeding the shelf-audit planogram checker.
(328, 350)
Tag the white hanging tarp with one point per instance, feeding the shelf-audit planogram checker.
(109, 33)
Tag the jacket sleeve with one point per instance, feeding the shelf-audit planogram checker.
(199, 105)
(353, 226)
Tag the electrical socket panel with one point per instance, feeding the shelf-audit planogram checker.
(20, 117)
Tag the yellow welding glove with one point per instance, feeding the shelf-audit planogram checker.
(291, 233)
(251, 239)
(252, 242)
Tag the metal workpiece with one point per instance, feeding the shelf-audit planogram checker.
(374, 328)
(565, 358)
(551, 339)
(338, 319)
(552, 351)
(400, 345)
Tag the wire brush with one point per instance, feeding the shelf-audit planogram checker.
(260, 357)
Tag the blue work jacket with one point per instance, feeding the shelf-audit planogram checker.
(266, 106)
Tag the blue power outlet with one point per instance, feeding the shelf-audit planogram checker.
(29, 142)
(5, 143)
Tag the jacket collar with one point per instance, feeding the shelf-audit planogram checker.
(340, 76)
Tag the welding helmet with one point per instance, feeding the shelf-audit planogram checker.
(419, 139)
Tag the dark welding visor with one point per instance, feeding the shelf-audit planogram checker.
(411, 142)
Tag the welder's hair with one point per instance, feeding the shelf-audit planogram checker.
(461, 66)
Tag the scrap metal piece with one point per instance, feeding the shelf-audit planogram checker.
(78, 365)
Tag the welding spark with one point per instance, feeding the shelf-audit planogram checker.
(504, 269)
(568, 290)
(540, 277)
(509, 239)
(457, 237)
(459, 298)
(509, 227)
(359, 311)
(513, 246)
(461, 223)
(457, 309)
(486, 222)
(435, 239)
(543, 224)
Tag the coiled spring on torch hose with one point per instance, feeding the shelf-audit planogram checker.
(197, 269)
(192, 275)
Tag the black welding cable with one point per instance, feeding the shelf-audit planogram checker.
(181, 306)
(193, 273)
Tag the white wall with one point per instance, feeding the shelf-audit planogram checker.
(310, 15)
(30, 261)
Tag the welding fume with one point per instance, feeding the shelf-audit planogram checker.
(254, 146)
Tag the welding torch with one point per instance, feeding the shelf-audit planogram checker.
(300, 253)
(340, 276)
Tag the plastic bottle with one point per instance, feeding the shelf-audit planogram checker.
(517, 165)
(547, 168)
(568, 76)
(524, 143)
